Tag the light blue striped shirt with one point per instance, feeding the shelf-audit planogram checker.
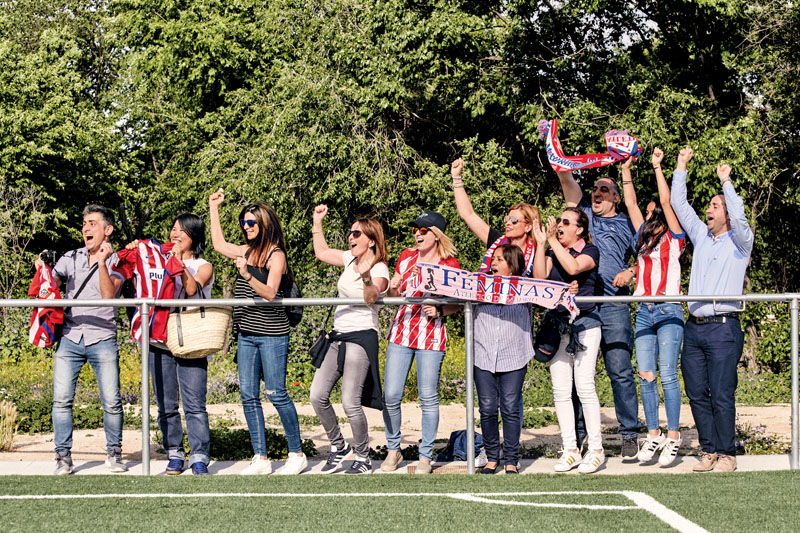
(503, 337)
(718, 263)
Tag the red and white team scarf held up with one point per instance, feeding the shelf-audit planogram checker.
(620, 147)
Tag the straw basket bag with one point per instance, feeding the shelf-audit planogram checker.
(198, 332)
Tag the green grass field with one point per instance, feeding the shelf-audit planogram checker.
(754, 501)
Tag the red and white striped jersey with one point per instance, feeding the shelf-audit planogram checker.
(155, 272)
(410, 326)
(45, 320)
(659, 272)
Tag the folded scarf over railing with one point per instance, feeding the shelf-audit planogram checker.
(619, 144)
(481, 287)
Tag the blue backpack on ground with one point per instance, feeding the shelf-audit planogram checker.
(457, 446)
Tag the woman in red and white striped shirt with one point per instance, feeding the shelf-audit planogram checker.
(416, 331)
(659, 243)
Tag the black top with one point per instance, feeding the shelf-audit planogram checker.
(256, 320)
(588, 282)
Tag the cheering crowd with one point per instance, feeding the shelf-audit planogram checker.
(588, 247)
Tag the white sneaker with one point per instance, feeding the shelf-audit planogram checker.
(481, 459)
(591, 462)
(114, 461)
(258, 466)
(295, 464)
(670, 451)
(567, 461)
(651, 445)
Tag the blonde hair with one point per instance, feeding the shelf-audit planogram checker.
(373, 229)
(531, 214)
(444, 246)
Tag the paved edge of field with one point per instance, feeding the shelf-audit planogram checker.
(613, 466)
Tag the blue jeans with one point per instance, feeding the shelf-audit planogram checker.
(617, 345)
(68, 361)
(659, 333)
(398, 364)
(266, 356)
(711, 354)
(172, 376)
(503, 389)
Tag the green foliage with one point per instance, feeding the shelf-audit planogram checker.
(230, 444)
(756, 441)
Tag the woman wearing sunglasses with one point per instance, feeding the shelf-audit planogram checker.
(353, 353)
(519, 224)
(659, 243)
(263, 332)
(417, 331)
(573, 257)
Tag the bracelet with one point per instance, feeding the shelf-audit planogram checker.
(248, 279)
(439, 311)
(318, 231)
(458, 186)
(367, 282)
(627, 182)
(726, 180)
(656, 168)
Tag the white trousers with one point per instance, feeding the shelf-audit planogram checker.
(580, 368)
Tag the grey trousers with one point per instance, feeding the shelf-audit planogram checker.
(356, 368)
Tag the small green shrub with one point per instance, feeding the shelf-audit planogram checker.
(756, 441)
(409, 453)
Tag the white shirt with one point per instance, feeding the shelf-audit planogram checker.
(348, 318)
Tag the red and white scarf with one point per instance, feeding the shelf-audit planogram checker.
(530, 248)
(619, 144)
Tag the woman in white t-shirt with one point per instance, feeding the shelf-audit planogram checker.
(174, 376)
(353, 354)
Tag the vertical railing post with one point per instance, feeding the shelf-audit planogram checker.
(794, 459)
(469, 357)
(144, 313)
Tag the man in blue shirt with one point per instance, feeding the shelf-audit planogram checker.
(612, 232)
(713, 338)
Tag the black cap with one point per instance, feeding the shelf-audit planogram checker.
(430, 219)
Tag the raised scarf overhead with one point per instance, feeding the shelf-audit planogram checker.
(619, 144)
(486, 265)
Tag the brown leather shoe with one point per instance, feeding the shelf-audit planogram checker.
(392, 461)
(725, 463)
(707, 462)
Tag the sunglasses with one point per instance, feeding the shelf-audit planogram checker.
(422, 231)
(566, 222)
(247, 223)
(356, 233)
(513, 220)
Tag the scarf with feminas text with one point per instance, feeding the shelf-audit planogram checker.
(486, 265)
(619, 144)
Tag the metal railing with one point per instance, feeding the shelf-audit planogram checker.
(146, 304)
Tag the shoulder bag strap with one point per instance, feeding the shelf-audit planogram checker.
(86, 280)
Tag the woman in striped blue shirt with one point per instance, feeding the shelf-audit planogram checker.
(503, 347)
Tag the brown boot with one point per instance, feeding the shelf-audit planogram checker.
(725, 463)
(707, 462)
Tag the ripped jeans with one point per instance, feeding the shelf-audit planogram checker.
(659, 333)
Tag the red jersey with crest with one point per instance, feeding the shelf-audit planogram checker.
(45, 320)
(411, 327)
(154, 270)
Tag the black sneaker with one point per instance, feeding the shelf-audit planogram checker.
(360, 467)
(335, 459)
(630, 447)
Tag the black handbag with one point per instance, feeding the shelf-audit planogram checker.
(290, 290)
(548, 338)
(320, 348)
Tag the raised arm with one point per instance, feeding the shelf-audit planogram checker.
(570, 188)
(541, 263)
(663, 192)
(629, 191)
(373, 287)
(742, 233)
(686, 215)
(229, 250)
(464, 207)
(323, 252)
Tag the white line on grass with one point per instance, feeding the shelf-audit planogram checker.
(639, 499)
